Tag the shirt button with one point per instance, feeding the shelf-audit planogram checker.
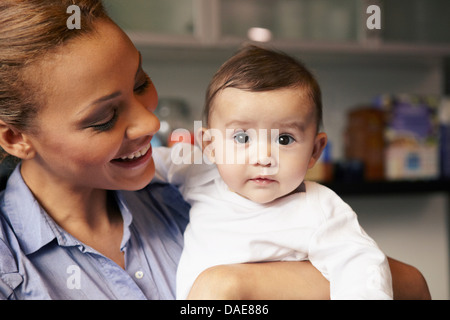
(139, 274)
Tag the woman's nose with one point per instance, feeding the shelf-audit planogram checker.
(143, 122)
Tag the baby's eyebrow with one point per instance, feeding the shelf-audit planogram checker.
(236, 123)
(296, 125)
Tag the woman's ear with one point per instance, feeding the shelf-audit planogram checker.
(15, 142)
(319, 144)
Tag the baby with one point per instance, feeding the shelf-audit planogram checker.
(249, 200)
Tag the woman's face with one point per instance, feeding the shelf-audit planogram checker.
(95, 128)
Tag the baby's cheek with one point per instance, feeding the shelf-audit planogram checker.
(233, 175)
(291, 180)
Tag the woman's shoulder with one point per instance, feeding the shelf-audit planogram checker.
(158, 200)
(10, 277)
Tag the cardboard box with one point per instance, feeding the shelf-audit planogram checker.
(364, 140)
(411, 136)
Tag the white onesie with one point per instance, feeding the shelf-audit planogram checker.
(313, 224)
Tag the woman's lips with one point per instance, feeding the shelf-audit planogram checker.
(136, 158)
(137, 154)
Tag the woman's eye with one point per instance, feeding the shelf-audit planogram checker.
(141, 87)
(105, 126)
(241, 137)
(285, 140)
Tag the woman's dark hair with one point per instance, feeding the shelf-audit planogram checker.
(30, 29)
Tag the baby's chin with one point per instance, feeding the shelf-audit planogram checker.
(267, 198)
(260, 199)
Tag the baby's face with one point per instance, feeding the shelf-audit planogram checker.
(263, 142)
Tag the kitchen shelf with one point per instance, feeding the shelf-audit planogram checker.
(189, 29)
(156, 48)
(389, 187)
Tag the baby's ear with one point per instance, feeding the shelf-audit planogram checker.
(320, 142)
(15, 142)
(204, 140)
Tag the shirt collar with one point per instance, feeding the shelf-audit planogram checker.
(25, 215)
(126, 216)
(33, 227)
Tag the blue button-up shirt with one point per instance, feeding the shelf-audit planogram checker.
(40, 260)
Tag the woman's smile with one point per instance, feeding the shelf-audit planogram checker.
(136, 158)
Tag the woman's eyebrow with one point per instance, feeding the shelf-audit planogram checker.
(139, 69)
(114, 94)
(100, 100)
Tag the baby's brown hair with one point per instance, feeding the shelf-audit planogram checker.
(256, 69)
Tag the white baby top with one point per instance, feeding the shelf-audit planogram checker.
(313, 224)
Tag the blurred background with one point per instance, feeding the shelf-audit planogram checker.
(384, 77)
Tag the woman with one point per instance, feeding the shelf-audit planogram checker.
(77, 109)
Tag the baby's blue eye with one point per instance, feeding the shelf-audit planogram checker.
(285, 139)
(241, 137)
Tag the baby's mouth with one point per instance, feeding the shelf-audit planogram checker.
(262, 180)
